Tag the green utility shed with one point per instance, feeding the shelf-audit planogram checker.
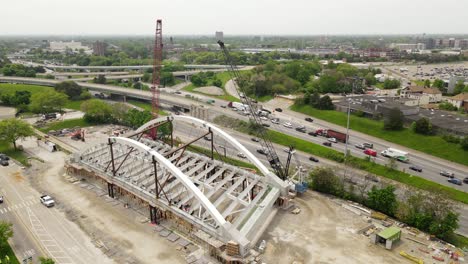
(388, 237)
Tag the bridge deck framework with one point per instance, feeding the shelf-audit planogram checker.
(223, 201)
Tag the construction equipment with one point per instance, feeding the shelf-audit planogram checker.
(157, 60)
(239, 85)
(78, 134)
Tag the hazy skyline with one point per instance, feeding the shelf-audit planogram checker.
(241, 17)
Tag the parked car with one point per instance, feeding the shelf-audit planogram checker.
(4, 157)
(47, 200)
(360, 146)
(314, 159)
(278, 109)
(465, 180)
(264, 118)
(312, 133)
(368, 145)
(265, 125)
(415, 168)
(206, 138)
(1, 199)
(177, 92)
(4, 163)
(328, 144)
(223, 106)
(308, 119)
(255, 139)
(288, 125)
(455, 181)
(286, 150)
(447, 174)
(241, 155)
(275, 120)
(332, 139)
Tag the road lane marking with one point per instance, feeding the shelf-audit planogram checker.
(48, 241)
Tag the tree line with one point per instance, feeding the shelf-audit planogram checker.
(430, 212)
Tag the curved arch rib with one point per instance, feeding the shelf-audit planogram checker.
(210, 208)
(271, 177)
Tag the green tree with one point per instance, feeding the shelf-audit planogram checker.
(427, 83)
(325, 180)
(97, 111)
(48, 102)
(167, 79)
(6, 231)
(13, 129)
(100, 79)
(464, 143)
(134, 118)
(72, 89)
(198, 79)
(325, 103)
(459, 87)
(370, 79)
(391, 84)
(146, 77)
(439, 84)
(217, 82)
(394, 120)
(423, 126)
(44, 260)
(383, 200)
(446, 226)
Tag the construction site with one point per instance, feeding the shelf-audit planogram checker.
(165, 193)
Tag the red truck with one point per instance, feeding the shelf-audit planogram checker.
(329, 133)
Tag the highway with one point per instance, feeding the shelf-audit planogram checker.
(187, 132)
(431, 165)
(38, 230)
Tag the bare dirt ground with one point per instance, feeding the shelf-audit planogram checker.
(325, 232)
(321, 233)
(119, 232)
(212, 90)
(7, 112)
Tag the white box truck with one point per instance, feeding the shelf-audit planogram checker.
(396, 154)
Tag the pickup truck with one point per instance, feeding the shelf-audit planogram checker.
(47, 201)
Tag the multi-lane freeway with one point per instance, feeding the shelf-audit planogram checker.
(431, 165)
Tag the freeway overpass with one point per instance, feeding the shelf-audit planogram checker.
(181, 102)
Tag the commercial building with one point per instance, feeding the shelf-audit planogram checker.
(420, 95)
(219, 35)
(408, 46)
(72, 46)
(99, 48)
(460, 101)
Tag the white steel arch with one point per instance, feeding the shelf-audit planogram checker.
(177, 173)
(271, 177)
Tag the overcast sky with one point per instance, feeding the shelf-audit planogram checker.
(269, 17)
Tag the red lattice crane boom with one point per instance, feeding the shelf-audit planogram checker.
(157, 62)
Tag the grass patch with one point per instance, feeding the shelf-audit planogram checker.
(12, 88)
(368, 166)
(227, 97)
(432, 145)
(264, 98)
(7, 251)
(7, 148)
(70, 123)
(458, 240)
(75, 105)
(355, 162)
(145, 106)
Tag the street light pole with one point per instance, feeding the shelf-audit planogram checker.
(224, 148)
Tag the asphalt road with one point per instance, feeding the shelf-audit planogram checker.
(431, 165)
(38, 230)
